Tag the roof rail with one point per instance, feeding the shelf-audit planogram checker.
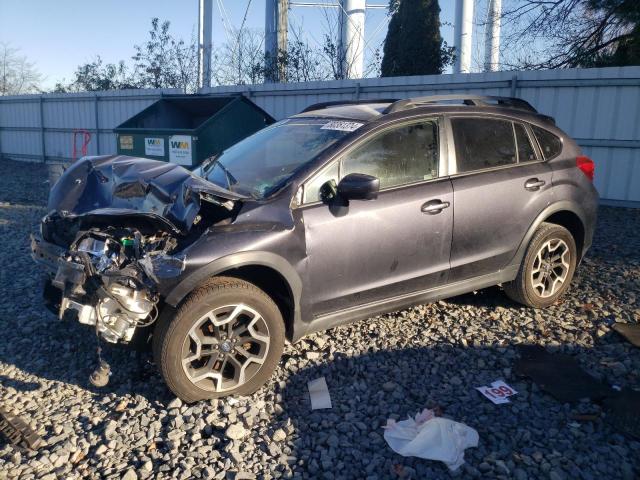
(475, 100)
(336, 103)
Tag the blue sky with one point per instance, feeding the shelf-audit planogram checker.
(58, 35)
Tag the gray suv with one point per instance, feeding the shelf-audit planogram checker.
(342, 212)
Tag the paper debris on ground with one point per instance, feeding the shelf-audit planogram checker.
(430, 437)
(498, 392)
(319, 394)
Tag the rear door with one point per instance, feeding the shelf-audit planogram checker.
(393, 245)
(500, 185)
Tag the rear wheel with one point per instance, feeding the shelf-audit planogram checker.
(547, 268)
(226, 339)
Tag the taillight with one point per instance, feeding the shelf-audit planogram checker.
(587, 166)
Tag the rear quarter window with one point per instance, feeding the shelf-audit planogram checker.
(550, 144)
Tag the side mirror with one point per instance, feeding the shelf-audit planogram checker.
(359, 186)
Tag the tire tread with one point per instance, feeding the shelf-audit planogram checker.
(167, 326)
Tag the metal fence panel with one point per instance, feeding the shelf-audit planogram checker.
(40, 127)
(600, 108)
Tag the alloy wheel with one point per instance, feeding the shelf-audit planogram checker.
(550, 267)
(225, 348)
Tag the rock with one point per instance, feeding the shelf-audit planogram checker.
(520, 474)
(389, 386)
(236, 431)
(279, 435)
(130, 475)
(175, 403)
(110, 429)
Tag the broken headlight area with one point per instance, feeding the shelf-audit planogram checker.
(108, 279)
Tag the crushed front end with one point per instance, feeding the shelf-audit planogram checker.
(106, 278)
(114, 238)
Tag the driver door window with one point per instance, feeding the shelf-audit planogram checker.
(399, 156)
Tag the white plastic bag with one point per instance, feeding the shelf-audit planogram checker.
(431, 438)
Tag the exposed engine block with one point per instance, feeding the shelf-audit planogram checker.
(104, 283)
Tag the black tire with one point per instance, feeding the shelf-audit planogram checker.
(171, 333)
(522, 288)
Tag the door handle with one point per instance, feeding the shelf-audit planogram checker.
(533, 184)
(432, 207)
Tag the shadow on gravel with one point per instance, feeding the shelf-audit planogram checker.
(366, 389)
(369, 389)
(18, 384)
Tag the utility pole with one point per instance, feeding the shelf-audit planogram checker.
(275, 42)
(463, 32)
(352, 17)
(205, 41)
(492, 40)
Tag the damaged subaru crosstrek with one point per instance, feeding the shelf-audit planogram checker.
(342, 212)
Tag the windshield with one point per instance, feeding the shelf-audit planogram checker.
(263, 162)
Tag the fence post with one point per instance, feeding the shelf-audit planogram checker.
(357, 91)
(97, 122)
(514, 85)
(43, 147)
(1, 153)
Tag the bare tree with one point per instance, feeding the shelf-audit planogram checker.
(571, 33)
(301, 62)
(96, 76)
(17, 74)
(166, 62)
(334, 54)
(240, 61)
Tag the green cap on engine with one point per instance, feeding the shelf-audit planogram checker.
(127, 242)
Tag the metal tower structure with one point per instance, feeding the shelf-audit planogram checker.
(492, 37)
(276, 22)
(463, 35)
(205, 42)
(351, 40)
(351, 46)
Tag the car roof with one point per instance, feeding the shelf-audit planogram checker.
(369, 110)
(349, 110)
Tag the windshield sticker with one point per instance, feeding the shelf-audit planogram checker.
(342, 126)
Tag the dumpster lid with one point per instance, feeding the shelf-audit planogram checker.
(183, 112)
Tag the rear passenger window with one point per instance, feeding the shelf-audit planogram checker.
(483, 143)
(526, 153)
(550, 144)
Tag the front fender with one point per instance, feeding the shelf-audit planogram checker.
(235, 260)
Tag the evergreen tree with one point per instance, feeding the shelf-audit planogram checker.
(414, 45)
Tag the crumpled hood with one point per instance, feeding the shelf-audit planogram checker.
(123, 185)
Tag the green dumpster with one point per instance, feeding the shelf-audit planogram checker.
(188, 129)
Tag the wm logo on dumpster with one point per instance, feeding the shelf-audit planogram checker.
(154, 141)
(183, 145)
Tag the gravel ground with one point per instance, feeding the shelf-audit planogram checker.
(391, 366)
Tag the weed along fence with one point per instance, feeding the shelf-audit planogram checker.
(600, 108)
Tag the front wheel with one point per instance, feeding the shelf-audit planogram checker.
(547, 268)
(225, 339)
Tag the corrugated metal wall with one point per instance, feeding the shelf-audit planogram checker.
(600, 108)
(40, 127)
